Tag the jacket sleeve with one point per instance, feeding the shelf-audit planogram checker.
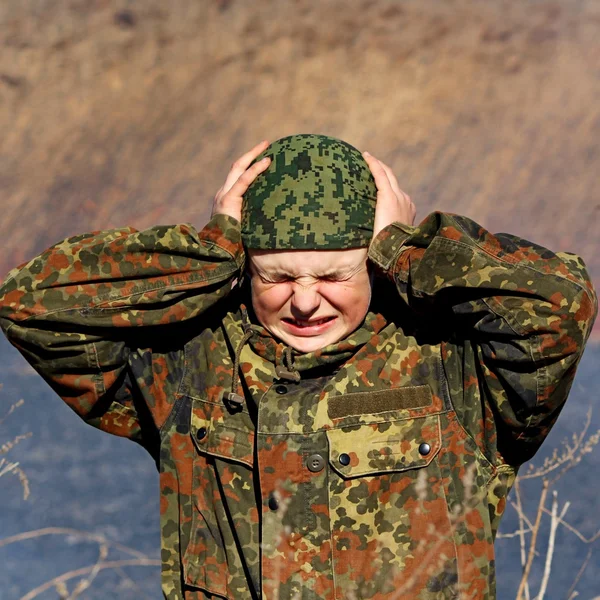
(520, 316)
(77, 311)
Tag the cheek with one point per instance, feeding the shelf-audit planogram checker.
(268, 300)
(351, 301)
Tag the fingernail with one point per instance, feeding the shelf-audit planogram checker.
(366, 154)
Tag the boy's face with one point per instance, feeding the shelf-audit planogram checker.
(310, 298)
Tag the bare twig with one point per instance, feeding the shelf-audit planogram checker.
(16, 469)
(62, 590)
(554, 520)
(572, 593)
(584, 449)
(7, 466)
(576, 532)
(512, 534)
(132, 562)
(12, 443)
(571, 454)
(11, 409)
(522, 518)
(534, 535)
(100, 539)
(84, 584)
(520, 511)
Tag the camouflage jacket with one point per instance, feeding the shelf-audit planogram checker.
(375, 468)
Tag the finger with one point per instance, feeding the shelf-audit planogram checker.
(242, 163)
(394, 182)
(238, 189)
(381, 179)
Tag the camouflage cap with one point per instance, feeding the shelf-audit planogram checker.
(317, 193)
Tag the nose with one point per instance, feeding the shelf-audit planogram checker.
(305, 300)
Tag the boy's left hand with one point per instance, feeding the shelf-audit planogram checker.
(393, 205)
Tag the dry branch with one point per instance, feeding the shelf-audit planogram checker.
(572, 593)
(534, 535)
(7, 466)
(134, 562)
(99, 539)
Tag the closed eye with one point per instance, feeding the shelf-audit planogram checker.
(336, 277)
(276, 279)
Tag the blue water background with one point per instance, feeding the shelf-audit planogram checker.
(86, 480)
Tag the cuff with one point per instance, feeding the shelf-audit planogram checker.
(225, 232)
(388, 243)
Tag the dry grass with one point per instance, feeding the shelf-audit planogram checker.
(566, 457)
(7, 465)
(84, 576)
(118, 114)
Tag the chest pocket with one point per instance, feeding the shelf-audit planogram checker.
(222, 496)
(218, 433)
(389, 430)
(381, 447)
(387, 493)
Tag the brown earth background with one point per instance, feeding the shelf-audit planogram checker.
(116, 112)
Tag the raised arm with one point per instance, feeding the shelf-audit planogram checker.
(91, 306)
(520, 316)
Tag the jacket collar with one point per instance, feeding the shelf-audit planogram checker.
(289, 363)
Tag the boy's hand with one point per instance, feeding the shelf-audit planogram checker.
(392, 203)
(228, 200)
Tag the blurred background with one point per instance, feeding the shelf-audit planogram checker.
(124, 112)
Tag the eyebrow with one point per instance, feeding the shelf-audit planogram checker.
(335, 273)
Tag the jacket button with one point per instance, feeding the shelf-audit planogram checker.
(315, 463)
(344, 459)
(281, 389)
(424, 449)
(201, 433)
(273, 503)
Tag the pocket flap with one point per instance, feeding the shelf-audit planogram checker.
(381, 447)
(220, 439)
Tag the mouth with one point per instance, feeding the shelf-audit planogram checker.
(308, 326)
(307, 322)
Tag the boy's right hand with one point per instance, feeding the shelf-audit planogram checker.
(228, 200)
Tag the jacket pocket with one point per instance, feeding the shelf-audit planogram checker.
(391, 528)
(222, 440)
(383, 447)
(224, 453)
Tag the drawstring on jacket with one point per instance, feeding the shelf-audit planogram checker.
(287, 365)
(233, 396)
(291, 374)
(283, 372)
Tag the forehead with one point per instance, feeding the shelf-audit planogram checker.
(307, 262)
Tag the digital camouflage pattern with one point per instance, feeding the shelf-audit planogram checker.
(382, 470)
(317, 193)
